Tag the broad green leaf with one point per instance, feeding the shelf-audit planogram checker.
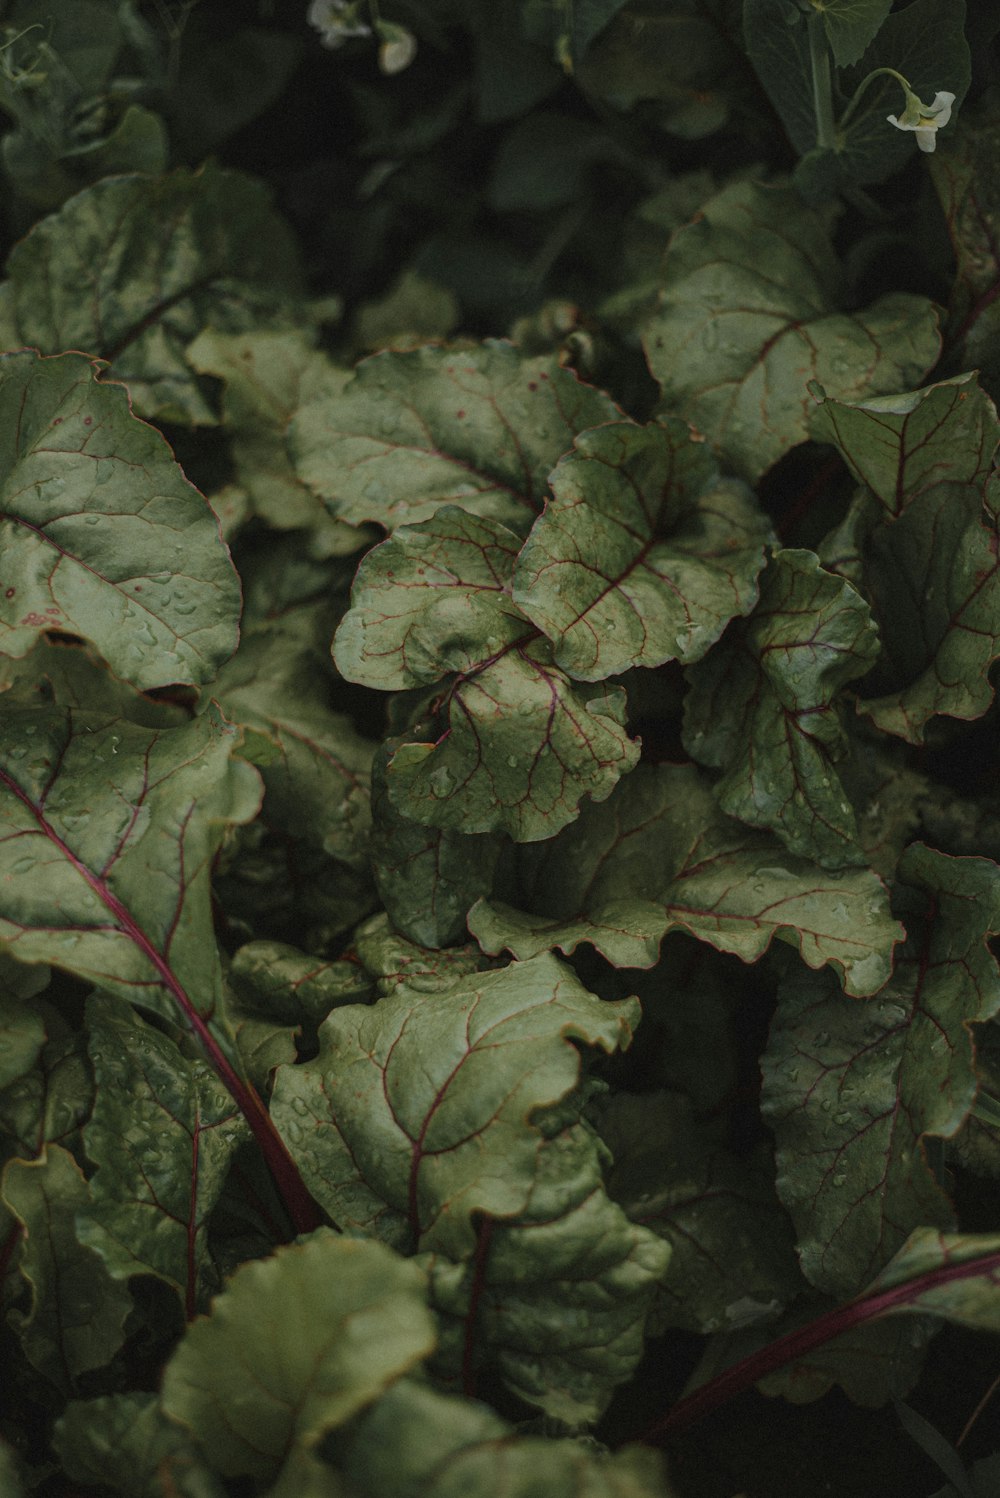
(933, 579)
(901, 445)
(851, 1090)
(762, 708)
(749, 315)
(479, 427)
(732, 1259)
(108, 830)
(969, 194)
(776, 37)
(955, 1276)
(427, 877)
(418, 1443)
(658, 856)
(268, 374)
(125, 1443)
(419, 1112)
(413, 311)
(102, 534)
(555, 1302)
(67, 674)
(162, 1135)
(133, 268)
(643, 555)
(22, 1035)
(76, 1314)
(294, 1347)
(850, 25)
(48, 1103)
(279, 683)
(873, 1362)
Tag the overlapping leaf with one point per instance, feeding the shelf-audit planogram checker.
(162, 1134)
(852, 1089)
(478, 427)
(749, 315)
(657, 856)
(901, 445)
(952, 1275)
(643, 555)
(970, 198)
(124, 1442)
(102, 535)
(134, 267)
(762, 708)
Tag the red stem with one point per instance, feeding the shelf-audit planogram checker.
(484, 1237)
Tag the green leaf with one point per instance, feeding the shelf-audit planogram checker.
(567, 26)
(108, 830)
(851, 1090)
(49, 1103)
(732, 1260)
(102, 535)
(762, 708)
(133, 268)
(77, 1313)
(901, 445)
(124, 1442)
(749, 315)
(22, 1035)
(955, 1276)
(850, 25)
(985, 1478)
(415, 1116)
(658, 856)
(776, 37)
(162, 1134)
(294, 1347)
(970, 199)
(268, 374)
(643, 555)
(394, 961)
(480, 427)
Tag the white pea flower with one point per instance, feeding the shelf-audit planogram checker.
(398, 47)
(336, 21)
(925, 119)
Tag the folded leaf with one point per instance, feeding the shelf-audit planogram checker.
(478, 427)
(851, 1090)
(134, 267)
(749, 314)
(657, 856)
(643, 555)
(295, 1346)
(762, 708)
(102, 534)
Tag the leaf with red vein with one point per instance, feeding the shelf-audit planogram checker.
(900, 445)
(162, 1134)
(101, 534)
(851, 1090)
(134, 267)
(658, 856)
(479, 427)
(643, 555)
(762, 708)
(749, 315)
(967, 187)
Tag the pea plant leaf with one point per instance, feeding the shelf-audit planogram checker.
(132, 268)
(102, 534)
(479, 427)
(851, 1090)
(762, 707)
(643, 555)
(519, 744)
(659, 856)
(900, 445)
(162, 1134)
(748, 315)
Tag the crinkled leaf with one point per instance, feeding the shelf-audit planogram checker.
(762, 708)
(77, 1313)
(643, 555)
(479, 427)
(316, 785)
(427, 877)
(162, 1135)
(900, 445)
(49, 1103)
(933, 579)
(134, 267)
(102, 534)
(393, 961)
(124, 1442)
(295, 1346)
(418, 1112)
(658, 855)
(732, 1259)
(749, 315)
(268, 374)
(851, 1090)
(556, 1302)
(969, 193)
(108, 830)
